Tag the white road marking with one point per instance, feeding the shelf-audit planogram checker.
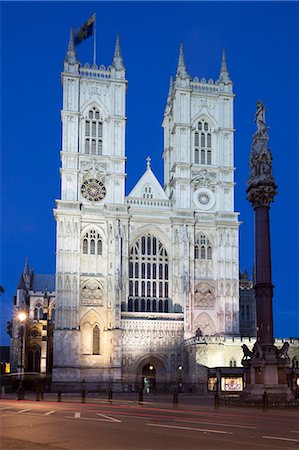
(92, 418)
(215, 423)
(280, 438)
(23, 410)
(49, 413)
(189, 428)
(3, 409)
(108, 417)
(294, 431)
(77, 415)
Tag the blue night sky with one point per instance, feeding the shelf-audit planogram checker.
(261, 42)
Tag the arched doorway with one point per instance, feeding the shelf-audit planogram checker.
(148, 378)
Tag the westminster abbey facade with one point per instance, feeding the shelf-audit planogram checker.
(140, 275)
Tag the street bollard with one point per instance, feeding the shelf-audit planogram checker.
(265, 401)
(110, 395)
(141, 396)
(175, 398)
(83, 396)
(2, 391)
(37, 398)
(42, 393)
(20, 392)
(59, 396)
(216, 401)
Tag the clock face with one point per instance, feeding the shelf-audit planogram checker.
(94, 190)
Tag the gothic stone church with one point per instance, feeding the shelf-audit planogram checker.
(138, 276)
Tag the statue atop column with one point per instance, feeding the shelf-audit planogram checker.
(265, 365)
(261, 186)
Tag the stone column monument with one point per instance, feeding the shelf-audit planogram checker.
(265, 366)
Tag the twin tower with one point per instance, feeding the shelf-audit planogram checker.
(138, 274)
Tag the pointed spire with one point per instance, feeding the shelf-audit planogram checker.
(224, 75)
(182, 70)
(118, 62)
(21, 284)
(71, 55)
(26, 267)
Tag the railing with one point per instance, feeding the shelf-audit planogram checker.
(149, 202)
(95, 72)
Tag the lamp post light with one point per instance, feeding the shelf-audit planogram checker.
(180, 383)
(22, 318)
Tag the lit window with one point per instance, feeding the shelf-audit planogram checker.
(96, 341)
(150, 275)
(38, 312)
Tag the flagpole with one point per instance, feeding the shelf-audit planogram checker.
(95, 41)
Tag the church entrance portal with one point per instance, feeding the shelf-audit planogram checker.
(148, 378)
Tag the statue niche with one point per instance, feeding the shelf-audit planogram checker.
(204, 295)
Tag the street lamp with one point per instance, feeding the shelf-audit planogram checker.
(22, 318)
(180, 369)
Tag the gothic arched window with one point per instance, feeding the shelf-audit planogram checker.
(92, 243)
(148, 273)
(34, 358)
(203, 143)
(38, 312)
(203, 248)
(96, 340)
(93, 133)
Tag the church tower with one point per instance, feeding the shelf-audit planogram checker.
(199, 180)
(89, 220)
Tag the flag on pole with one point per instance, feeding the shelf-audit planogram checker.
(85, 31)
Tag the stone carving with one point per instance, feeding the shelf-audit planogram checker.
(91, 293)
(247, 354)
(93, 169)
(260, 118)
(282, 353)
(204, 295)
(154, 336)
(205, 324)
(205, 179)
(257, 351)
(261, 188)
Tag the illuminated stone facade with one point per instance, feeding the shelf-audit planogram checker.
(136, 275)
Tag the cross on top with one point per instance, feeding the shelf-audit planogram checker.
(148, 162)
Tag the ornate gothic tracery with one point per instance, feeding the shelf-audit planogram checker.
(148, 276)
(93, 144)
(203, 143)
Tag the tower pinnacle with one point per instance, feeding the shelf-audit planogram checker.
(182, 70)
(26, 268)
(118, 62)
(71, 56)
(224, 75)
(170, 89)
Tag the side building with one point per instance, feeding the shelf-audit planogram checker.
(31, 348)
(247, 305)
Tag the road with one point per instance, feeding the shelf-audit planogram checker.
(125, 424)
